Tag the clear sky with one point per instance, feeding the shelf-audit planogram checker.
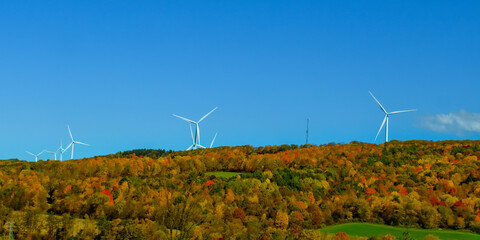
(116, 71)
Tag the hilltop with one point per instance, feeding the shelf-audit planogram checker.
(245, 192)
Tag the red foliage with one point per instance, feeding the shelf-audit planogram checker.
(434, 201)
(458, 204)
(107, 192)
(210, 182)
(402, 190)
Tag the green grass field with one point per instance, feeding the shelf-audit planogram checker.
(368, 230)
(222, 174)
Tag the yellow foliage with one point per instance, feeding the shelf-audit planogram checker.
(253, 198)
(268, 173)
(219, 210)
(325, 184)
(197, 233)
(230, 196)
(281, 220)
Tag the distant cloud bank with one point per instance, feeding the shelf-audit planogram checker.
(460, 123)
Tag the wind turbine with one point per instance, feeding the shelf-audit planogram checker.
(59, 150)
(54, 153)
(36, 156)
(386, 117)
(72, 144)
(195, 139)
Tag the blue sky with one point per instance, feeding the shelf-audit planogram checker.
(116, 71)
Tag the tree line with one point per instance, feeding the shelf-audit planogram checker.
(281, 192)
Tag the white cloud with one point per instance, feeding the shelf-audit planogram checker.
(460, 122)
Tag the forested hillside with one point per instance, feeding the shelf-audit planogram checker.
(281, 191)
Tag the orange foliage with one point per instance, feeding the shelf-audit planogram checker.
(341, 236)
(301, 205)
(477, 218)
(370, 191)
(311, 198)
(230, 196)
(67, 189)
(363, 179)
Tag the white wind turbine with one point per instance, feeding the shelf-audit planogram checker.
(72, 144)
(36, 156)
(196, 139)
(386, 117)
(61, 150)
(54, 153)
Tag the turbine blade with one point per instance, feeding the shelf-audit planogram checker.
(201, 119)
(81, 143)
(190, 147)
(200, 146)
(30, 153)
(186, 119)
(41, 152)
(411, 110)
(191, 133)
(69, 145)
(70, 132)
(211, 144)
(380, 105)
(383, 123)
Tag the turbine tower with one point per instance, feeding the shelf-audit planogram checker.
(387, 114)
(73, 142)
(196, 139)
(36, 156)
